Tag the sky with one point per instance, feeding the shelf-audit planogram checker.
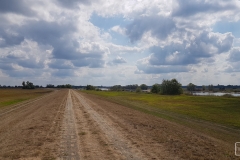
(109, 42)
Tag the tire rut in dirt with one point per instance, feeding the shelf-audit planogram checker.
(116, 139)
(69, 144)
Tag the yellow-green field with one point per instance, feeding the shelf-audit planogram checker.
(13, 96)
(219, 110)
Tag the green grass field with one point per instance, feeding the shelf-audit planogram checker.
(220, 110)
(14, 96)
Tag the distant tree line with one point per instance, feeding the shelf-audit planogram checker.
(59, 86)
(131, 87)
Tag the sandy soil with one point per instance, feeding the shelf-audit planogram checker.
(32, 130)
(70, 125)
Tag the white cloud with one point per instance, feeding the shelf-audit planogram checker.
(55, 40)
(118, 29)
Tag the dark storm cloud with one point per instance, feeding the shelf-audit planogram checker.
(189, 8)
(16, 6)
(159, 26)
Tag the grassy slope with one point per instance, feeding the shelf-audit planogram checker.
(13, 96)
(221, 110)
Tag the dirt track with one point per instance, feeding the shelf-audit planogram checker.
(68, 124)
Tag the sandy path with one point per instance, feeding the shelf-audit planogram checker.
(72, 125)
(69, 143)
(33, 130)
(115, 138)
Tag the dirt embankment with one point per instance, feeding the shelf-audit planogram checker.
(68, 124)
(32, 130)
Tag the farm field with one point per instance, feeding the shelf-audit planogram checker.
(13, 96)
(71, 124)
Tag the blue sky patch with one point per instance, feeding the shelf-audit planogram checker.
(224, 27)
(108, 22)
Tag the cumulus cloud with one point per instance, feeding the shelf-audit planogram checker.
(118, 60)
(159, 26)
(118, 29)
(63, 73)
(8, 38)
(234, 55)
(190, 8)
(73, 3)
(58, 39)
(149, 69)
(16, 6)
(204, 45)
(60, 64)
(234, 60)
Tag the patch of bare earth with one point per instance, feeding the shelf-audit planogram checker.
(156, 138)
(70, 125)
(93, 142)
(122, 143)
(32, 131)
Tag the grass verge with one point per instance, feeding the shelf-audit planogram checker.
(216, 116)
(14, 96)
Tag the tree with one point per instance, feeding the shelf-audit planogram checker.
(49, 86)
(68, 86)
(171, 87)
(138, 90)
(203, 88)
(210, 87)
(155, 88)
(90, 87)
(116, 88)
(191, 87)
(28, 85)
(23, 83)
(143, 86)
(131, 87)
